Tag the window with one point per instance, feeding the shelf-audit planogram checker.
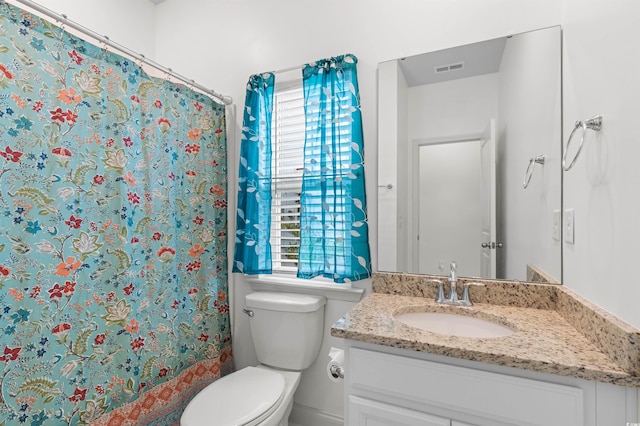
(301, 191)
(288, 138)
(287, 142)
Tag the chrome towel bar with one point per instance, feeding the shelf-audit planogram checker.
(532, 162)
(593, 123)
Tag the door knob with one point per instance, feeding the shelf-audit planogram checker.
(491, 245)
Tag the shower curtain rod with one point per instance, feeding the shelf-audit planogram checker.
(62, 19)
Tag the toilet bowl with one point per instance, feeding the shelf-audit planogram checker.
(252, 396)
(286, 330)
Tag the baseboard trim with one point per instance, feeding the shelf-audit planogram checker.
(309, 416)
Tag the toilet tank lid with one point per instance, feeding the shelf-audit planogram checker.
(286, 302)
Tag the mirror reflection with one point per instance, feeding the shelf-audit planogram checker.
(469, 160)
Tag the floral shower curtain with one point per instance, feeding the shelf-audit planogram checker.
(113, 264)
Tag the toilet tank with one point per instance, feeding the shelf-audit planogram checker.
(286, 328)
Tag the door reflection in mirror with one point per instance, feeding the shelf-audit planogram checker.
(520, 89)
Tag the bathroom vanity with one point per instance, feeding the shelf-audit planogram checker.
(566, 362)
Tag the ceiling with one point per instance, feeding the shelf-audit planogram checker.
(476, 59)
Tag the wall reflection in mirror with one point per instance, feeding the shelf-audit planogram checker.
(458, 129)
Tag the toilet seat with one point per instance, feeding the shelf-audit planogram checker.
(244, 398)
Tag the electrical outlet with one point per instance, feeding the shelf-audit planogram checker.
(557, 227)
(568, 226)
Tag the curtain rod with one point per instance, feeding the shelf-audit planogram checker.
(62, 19)
(287, 69)
(297, 67)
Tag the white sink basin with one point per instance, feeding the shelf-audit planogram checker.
(454, 325)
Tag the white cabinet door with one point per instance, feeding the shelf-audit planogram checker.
(484, 395)
(367, 412)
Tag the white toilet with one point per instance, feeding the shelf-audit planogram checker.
(286, 330)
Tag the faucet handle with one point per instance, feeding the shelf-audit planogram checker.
(440, 294)
(466, 301)
(453, 276)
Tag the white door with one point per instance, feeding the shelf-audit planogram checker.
(366, 412)
(488, 197)
(450, 207)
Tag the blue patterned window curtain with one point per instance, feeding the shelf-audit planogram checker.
(252, 253)
(113, 265)
(333, 222)
(333, 219)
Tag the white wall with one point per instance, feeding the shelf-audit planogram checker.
(601, 75)
(440, 112)
(529, 125)
(129, 23)
(220, 43)
(450, 208)
(452, 108)
(393, 160)
(391, 93)
(402, 188)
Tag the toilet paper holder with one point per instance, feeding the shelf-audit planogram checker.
(337, 372)
(335, 367)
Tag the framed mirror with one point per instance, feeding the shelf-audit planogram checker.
(469, 156)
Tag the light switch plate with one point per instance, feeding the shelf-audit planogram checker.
(557, 227)
(568, 226)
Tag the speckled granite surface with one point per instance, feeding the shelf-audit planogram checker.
(556, 331)
(614, 337)
(512, 293)
(537, 275)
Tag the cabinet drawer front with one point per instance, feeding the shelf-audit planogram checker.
(365, 412)
(489, 395)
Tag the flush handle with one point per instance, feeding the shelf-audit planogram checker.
(248, 312)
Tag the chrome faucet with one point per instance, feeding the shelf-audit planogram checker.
(466, 301)
(453, 292)
(440, 295)
(453, 282)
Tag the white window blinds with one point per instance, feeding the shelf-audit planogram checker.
(288, 138)
(286, 186)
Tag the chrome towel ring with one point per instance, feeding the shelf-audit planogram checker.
(532, 162)
(593, 123)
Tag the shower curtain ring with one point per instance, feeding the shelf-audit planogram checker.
(62, 22)
(141, 60)
(168, 74)
(105, 43)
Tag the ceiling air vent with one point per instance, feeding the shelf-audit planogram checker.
(450, 67)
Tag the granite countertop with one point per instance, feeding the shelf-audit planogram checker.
(544, 339)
